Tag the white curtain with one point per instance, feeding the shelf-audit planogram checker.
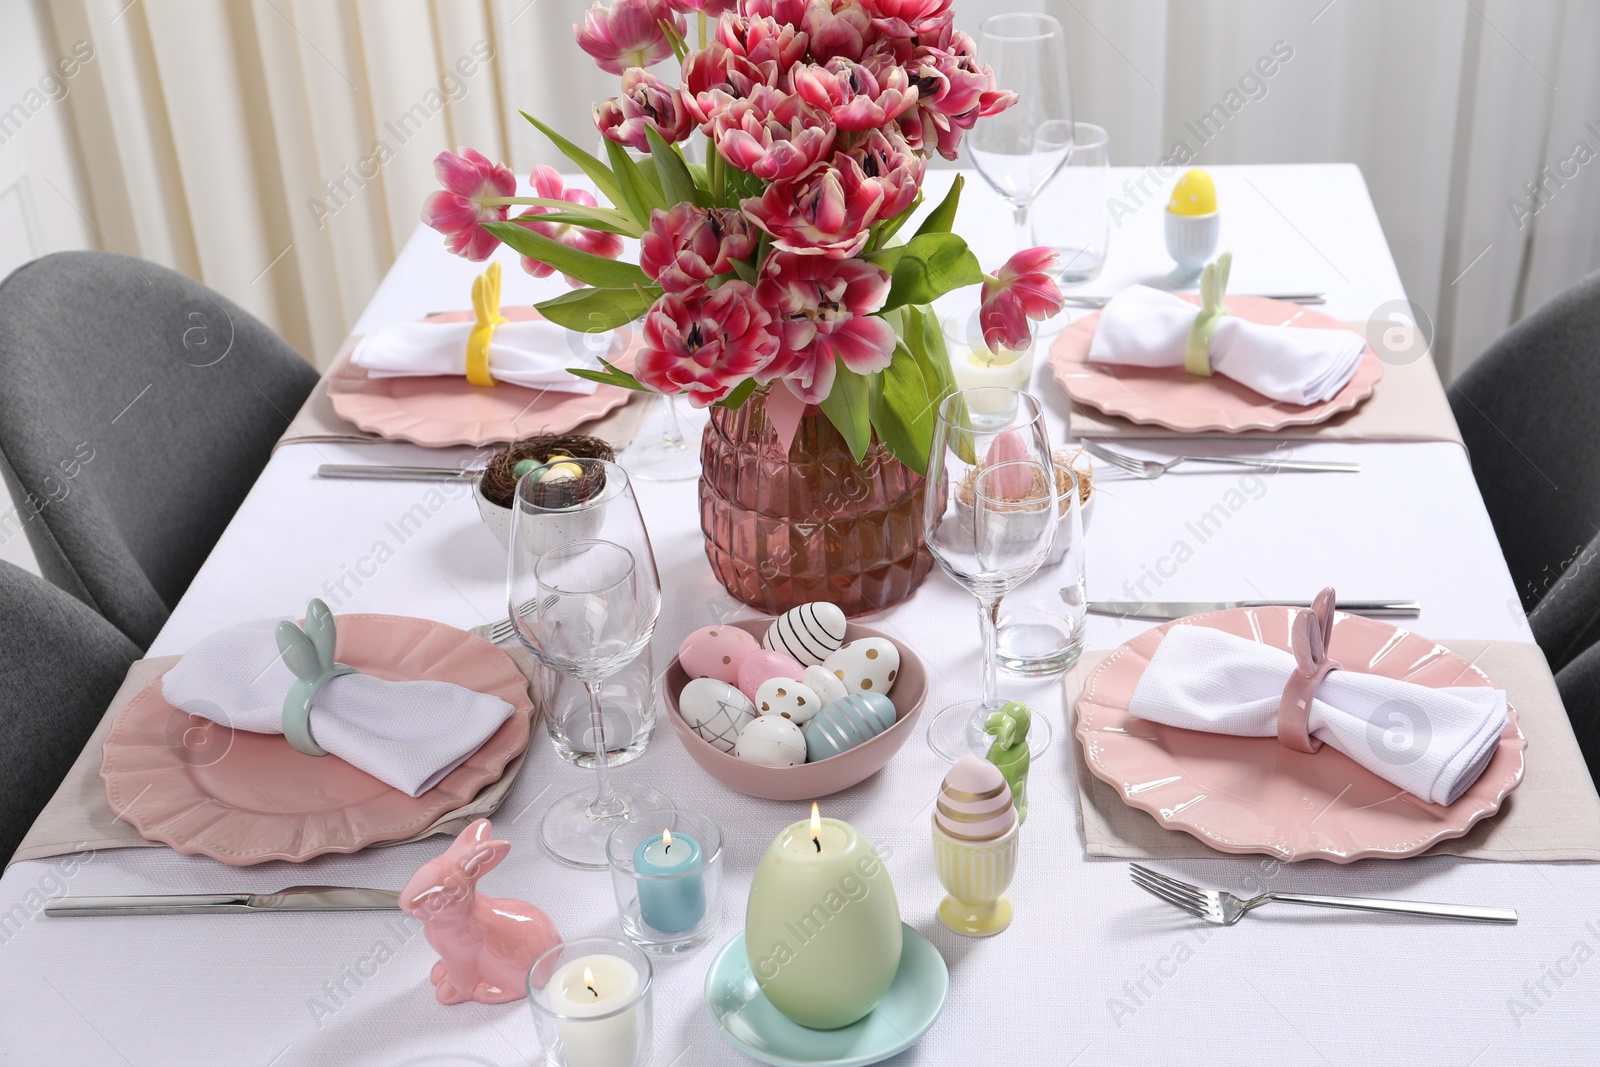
(279, 150)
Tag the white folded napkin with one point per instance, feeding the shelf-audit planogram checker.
(1145, 327)
(533, 353)
(406, 734)
(1433, 743)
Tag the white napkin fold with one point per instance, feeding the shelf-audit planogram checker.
(1433, 743)
(1145, 327)
(406, 734)
(533, 353)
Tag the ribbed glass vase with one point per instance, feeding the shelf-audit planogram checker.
(784, 529)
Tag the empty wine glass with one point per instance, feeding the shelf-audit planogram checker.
(583, 595)
(989, 518)
(1019, 150)
(672, 455)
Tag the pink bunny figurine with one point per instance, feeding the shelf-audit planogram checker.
(486, 945)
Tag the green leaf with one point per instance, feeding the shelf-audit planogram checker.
(902, 412)
(589, 222)
(638, 191)
(931, 266)
(620, 379)
(680, 47)
(677, 184)
(942, 219)
(590, 310)
(745, 271)
(925, 338)
(887, 230)
(587, 268)
(848, 409)
(597, 171)
(887, 258)
(739, 395)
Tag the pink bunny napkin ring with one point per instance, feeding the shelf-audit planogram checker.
(1309, 636)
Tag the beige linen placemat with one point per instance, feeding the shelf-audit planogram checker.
(1553, 815)
(1407, 404)
(78, 819)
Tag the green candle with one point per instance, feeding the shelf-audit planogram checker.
(822, 930)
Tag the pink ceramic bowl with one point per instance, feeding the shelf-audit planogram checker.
(809, 780)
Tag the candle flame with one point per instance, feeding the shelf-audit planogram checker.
(588, 982)
(666, 840)
(816, 826)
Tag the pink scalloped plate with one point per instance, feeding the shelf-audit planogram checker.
(244, 798)
(1172, 398)
(439, 410)
(1251, 794)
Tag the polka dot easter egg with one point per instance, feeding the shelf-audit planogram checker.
(716, 652)
(716, 711)
(762, 664)
(825, 684)
(810, 633)
(771, 741)
(795, 701)
(867, 665)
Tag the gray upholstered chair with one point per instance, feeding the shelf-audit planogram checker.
(137, 407)
(1579, 683)
(1566, 620)
(60, 664)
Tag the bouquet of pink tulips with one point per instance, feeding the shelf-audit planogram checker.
(780, 261)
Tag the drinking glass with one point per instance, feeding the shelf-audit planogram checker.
(1071, 216)
(1042, 627)
(669, 456)
(989, 518)
(1019, 150)
(583, 595)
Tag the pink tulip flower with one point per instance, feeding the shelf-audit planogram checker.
(705, 341)
(628, 35)
(458, 209)
(837, 28)
(885, 158)
(689, 245)
(716, 75)
(783, 12)
(857, 96)
(710, 8)
(646, 101)
(909, 18)
(823, 307)
(953, 92)
(827, 213)
(547, 184)
(1021, 290)
(762, 40)
(771, 134)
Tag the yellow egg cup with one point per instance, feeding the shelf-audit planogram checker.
(976, 875)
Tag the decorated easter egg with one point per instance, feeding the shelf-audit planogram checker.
(560, 472)
(716, 652)
(716, 711)
(1014, 482)
(865, 665)
(795, 701)
(810, 633)
(771, 741)
(762, 664)
(1195, 194)
(526, 466)
(974, 801)
(846, 723)
(823, 682)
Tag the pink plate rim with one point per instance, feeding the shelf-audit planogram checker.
(1230, 810)
(439, 411)
(161, 794)
(1171, 398)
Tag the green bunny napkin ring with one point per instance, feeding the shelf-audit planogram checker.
(309, 654)
(1213, 283)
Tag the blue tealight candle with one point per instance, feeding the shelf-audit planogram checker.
(670, 904)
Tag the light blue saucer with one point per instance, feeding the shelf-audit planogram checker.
(753, 1026)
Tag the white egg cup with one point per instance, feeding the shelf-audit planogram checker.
(1191, 242)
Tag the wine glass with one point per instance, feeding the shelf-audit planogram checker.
(583, 596)
(1019, 150)
(989, 518)
(669, 456)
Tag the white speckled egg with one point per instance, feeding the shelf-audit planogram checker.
(828, 686)
(716, 711)
(866, 665)
(810, 633)
(771, 741)
(794, 700)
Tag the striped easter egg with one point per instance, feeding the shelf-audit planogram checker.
(810, 633)
(846, 723)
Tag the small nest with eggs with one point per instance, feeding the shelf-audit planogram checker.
(499, 481)
(1062, 462)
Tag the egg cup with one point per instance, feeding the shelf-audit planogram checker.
(1191, 242)
(976, 875)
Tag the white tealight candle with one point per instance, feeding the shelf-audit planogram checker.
(974, 366)
(592, 986)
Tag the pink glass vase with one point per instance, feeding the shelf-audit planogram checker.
(784, 529)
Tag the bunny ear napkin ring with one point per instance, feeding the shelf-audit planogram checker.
(309, 654)
(1309, 636)
(1213, 284)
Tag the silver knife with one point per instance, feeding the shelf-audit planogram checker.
(295, 898)
(1289, 298)
(1178, 609)
(401, 474)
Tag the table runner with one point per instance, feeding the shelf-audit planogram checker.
(78, 819)
(1553, 815)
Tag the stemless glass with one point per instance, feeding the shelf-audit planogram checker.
(989, 518)
(583, 594)
(1019, 150)
(1072, 218)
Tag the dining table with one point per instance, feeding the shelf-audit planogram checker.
(1092, 971)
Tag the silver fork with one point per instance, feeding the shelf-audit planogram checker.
(505, 628)
(1150, 468)
(1221, 908)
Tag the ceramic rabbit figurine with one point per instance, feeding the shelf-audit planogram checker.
(486, 945)
(1009, 752)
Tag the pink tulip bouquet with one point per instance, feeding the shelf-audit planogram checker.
(781, 261)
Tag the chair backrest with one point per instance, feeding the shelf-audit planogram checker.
(60, 665)
(137, 407)
(1566, 620)
(1529, 410)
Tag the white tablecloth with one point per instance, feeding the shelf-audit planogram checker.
(1092, 972)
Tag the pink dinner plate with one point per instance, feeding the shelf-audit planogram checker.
(1173, 398)
(439, 410)
(244, 798)
(1251, 794)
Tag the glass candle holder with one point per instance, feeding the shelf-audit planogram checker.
(591, 1004)
(666, 869)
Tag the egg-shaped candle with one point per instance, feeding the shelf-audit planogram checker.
(672, 892)
(975, 831)
(822, 929)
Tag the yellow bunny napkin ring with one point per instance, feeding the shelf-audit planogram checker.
(1213, 283)
(486, 306)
